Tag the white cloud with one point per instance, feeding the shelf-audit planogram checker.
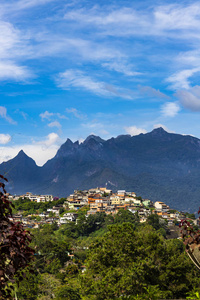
(55, 124)
(51, 139)
(78, 79)
(38, 152)
(103, 132)
(110, 20)
(9, 70)
(60, 116)
(5, 138)
(4, 115)
(160, 20)
(48, 115)
(121, 67)
(20, 5)
(76, 113)
(151, 92)
(170, 109)
(96, 128)
(93, 125)
(67, 45)
(24, 4)
(133, 130)
(14, 46)
(10, 40)
(190, 99)
(22, 113)
(180, 80)
(189, 58)
(170, 17)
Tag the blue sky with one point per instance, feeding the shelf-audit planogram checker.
(73, 68)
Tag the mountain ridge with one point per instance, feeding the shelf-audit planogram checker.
(157, 165)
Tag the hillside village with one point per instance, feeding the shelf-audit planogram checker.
(70, 233)
(96, 200)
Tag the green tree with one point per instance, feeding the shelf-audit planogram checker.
(61, 210)
(48, 286)
(126, 216)
(154, 221)
(85, 226)
(28, 287)
(126, 262)
(67, 292)
(51, 252)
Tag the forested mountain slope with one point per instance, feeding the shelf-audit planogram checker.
(157, 165)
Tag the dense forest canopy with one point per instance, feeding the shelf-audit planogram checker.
(104, 257)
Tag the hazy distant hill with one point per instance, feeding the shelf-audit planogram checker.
(157, 165)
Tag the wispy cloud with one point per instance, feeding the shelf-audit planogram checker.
(31, 3)
(12, 41)
(52, 44)
(76, 113)
(121, 67)
(95, 127)
(13, 48)
(151, 92)
(4, 115)
(79, 80)
(23, 4)
(190, 99)
(48, 115)
(180, 80)
(129, 21)
(22, 113)
(9, 70)
(170, 17)
(55, 124)
(170, 109)
(188, 59)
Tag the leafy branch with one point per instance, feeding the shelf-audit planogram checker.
(15, 252)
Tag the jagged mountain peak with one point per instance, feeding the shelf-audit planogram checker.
(68, 142)
(21, 152)
(93, 137)
(158, 131)
(22, 155)
(123, 137)
(67, 148)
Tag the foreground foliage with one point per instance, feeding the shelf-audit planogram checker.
(127, 262)
(15, 252)
(105, 257)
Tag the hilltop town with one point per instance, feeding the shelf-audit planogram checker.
(94, 200)
(95, 234)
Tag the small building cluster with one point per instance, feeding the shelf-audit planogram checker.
(30, 196)
(98, 200)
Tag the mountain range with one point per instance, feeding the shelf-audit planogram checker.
(158, 165)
